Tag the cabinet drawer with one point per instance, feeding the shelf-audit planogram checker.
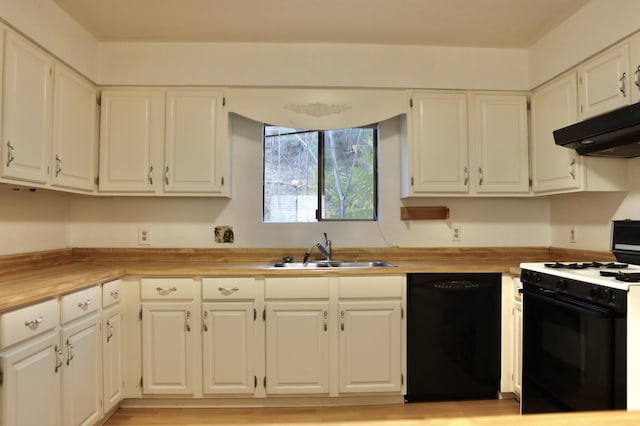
(80, 303)
(27, 322)
(168, 288)
(297, 288)
(371, 286)
(111, 293)
(228, 288)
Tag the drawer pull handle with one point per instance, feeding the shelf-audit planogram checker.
(85, 304)
(114, 293)
(227, 290)
(166, 290)
(34, 322)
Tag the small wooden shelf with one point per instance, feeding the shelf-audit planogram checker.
(424, 213)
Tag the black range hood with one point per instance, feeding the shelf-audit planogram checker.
(613, 134)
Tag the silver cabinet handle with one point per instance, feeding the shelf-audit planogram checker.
(58, 353)
(166, 290)
(622, 85)
(166, 175)
(205, 321)
(58, 165)
(481, 179)
(572, 171)
(228, 290)
(85, 304)
(70, 348)
(326, 319)
(188, 321)
(34, 322)
(341, 320)
(150, 175)
(466, 176)
(109, 330)
(10, 151)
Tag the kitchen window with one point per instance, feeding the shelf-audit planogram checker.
(326, 175)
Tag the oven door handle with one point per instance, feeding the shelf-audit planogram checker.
(559, 299)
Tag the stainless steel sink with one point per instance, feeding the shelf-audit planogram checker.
(331, 264)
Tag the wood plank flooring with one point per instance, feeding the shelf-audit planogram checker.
(353, 415)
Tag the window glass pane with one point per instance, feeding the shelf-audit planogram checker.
(349, 174)
(290, 175)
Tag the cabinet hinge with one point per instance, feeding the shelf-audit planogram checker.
(255, 314)
(1, 377)
(141, 382)
(401, 313)
(224, 101)
(264, 382)
(140, 315)
(411, 180)
(411, 103)
(580, 79)
(528, 105)
(402, 380)
(255, 382)
(530, 182)
(97, 180)
(264, 315)
(99, 100)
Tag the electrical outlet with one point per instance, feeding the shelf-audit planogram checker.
(572, 234)
(456, 233)
(144, 236)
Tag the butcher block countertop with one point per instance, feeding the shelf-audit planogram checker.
(34, 277)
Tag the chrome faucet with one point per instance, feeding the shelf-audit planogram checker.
(325, 249)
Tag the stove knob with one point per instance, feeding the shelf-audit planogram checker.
(595, 292)
(561, 285)
(607, 295)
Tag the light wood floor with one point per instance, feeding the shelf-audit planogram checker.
(358, 415)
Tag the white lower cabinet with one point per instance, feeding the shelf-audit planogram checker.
(297, 347)
(112, 341)
(82, 369)
(170, 335)
(229, 350)
(31, 381)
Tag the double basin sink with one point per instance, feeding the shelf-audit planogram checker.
(331, 264)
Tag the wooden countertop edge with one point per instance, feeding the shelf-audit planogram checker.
(33, 277)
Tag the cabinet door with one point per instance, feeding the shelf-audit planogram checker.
(75, 139)
(82, 372)
(31, 382)
(438, 149)
(131, 141)
(634, 69)
(517, 350)
(297, 341)
(227, 345)
(112, 357)
(195, 142)
(554, 168)
(370, 346)
(169, 342)
(26, 111)
(500, 141)
(604, 82)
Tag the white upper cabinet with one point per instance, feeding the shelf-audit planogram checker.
(131, 141)
(75, 138)
(195, 141)
(554, 168)
(499, 144)
(604, 82)
(438, 143)
(26, 111)
(557, 169)
(459, 143)
(634, 68)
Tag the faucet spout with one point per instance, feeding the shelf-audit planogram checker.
(325, 250)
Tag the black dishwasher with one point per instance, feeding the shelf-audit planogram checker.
(453, 336)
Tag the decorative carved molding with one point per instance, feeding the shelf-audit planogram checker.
(318, 109)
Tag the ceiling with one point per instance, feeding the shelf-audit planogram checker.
(474, 23)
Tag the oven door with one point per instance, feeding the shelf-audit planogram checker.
(568, 354)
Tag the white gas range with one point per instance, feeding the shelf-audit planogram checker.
(581, 330)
